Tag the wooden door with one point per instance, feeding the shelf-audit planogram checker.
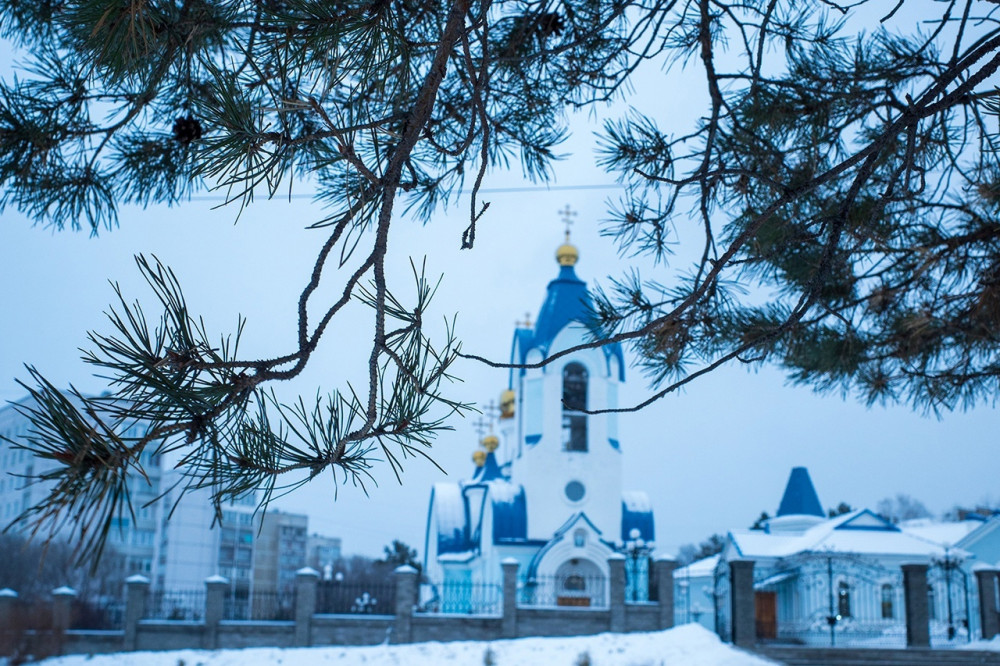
(766, 610)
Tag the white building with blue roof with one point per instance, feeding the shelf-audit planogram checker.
(838, 580)
(547, 489)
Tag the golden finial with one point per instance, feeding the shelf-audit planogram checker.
(567, 254)
(507, 400)
(490, 443)
(479, 458)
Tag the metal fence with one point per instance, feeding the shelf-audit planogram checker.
(260, 606)
(338, 597)
(461, 597)
(97, 614)
(639, 573)
(570, 591)
(176, 605)
(949, 603)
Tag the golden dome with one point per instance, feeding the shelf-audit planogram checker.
(507, 400)
(567, 254)
(490, 443)
(479, 457)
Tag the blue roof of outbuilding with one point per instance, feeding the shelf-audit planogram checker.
(567, 300)
(800, 497)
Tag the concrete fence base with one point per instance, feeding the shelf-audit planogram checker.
(406, 625)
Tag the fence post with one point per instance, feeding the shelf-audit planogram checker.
(306, 580)
(665, 589)
(8, 599)
(215, 603)
(136, 591)
(917, 607)
(744, 612)
(406, 597)
(509, 623)
(8, 632)
(616, 592)
(989, 619)
(62, 609)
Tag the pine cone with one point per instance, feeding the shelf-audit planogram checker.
(550, 24)
(187, 129)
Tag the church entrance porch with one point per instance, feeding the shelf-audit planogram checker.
(576, 583)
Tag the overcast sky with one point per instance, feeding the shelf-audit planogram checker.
(711, 458)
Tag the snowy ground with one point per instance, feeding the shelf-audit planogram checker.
(688, 645)
(986, 646)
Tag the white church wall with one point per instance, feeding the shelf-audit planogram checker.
(545, 468)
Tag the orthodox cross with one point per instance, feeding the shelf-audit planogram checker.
(491, 411)
(526, 323)
(567, 214)
(482, 425)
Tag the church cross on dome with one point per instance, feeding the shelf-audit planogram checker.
(491, 411)
(481, 426)
(567, 214)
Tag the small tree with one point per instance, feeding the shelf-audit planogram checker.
(839, 510)
(398, 554)
(689, 553)
(901, 507)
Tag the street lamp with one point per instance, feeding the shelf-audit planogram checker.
(949, 563)
(636, 550)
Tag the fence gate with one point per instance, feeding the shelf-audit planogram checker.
(948, 601)
(835, 600)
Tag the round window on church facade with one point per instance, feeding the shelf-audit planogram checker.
(575, 491)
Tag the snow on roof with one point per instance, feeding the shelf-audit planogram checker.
(637, 513)
(941, 533)
(636, 500)
(510, 511)
(460, 557)
(849, 533)
(698, 569)
(449, 512)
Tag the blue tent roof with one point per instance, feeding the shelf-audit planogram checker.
(567, 300)
(490, 470)
(800, 497)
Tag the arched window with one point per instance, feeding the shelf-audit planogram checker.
(574, 400)
(844, 599)
(887, 610)
(931, 603)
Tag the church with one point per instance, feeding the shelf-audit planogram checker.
(546, 489)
